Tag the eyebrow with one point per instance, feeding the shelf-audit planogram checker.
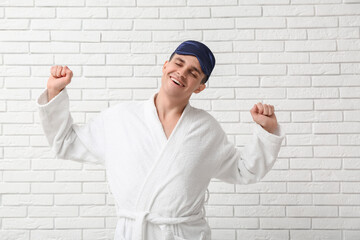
(183, 61)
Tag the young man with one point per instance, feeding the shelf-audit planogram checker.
(161, 154)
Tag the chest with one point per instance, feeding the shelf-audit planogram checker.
(169, 125)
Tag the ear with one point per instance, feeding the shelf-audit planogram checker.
(164, 66)
(200, 88)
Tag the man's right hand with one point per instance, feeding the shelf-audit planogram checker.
(59, 78)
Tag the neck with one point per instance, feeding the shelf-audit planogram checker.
(168, 107)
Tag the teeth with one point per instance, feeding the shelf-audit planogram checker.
(176, 81)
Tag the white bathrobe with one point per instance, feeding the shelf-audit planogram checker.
(159, 184)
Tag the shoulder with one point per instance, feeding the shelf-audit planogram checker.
(206, 119)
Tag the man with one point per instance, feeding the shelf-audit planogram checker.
(161, 154)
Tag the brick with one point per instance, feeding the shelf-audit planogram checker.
(53, 3)
(348, 92)
(350, 68)
(336, 175)
(312, 211)
(280, 34)
(70, 13)
(130, 59)
(312, 22)
(285, 223)
(56, 24)
(312, 93)
(335, 223)
(286, 199)
(211, 2)
(329, 57)
(349, 139)
(131, 12)
(76, 176)
(89, 234)
(13, 164)
(336, 9)
(317, 116)
(162, 3)
(54, 47)
(344, 127)
(349, 211)
(133, 36)
(14, 47)
(311, 140)
(287, 175)
(336, 104)
(14, 234)
(175, 36)
(351, 115)
(38, 12)
(350, 187)
(13, 140)
(313, 69)
(231, 199)
(259, 93)
(218, 234)
(315, 163)
(14, 24)
(337, 151)
(27, 176)
(349, 21)
(333, 33)
(351, 234)
(17, 3)
(348, 44)
(6, 212)
(71, 223)
(56, 234)
(79, 199)
(336, 199)
(261, 69)
(258, 46)
(233, 58)
(110, 3)
(75, 36)
(213, 23)
(269, 22)
(283, 58)
(233, 223)
(12, 71)
(28, 59)
(263, 234)
(27, 223)
(14, 188)
(107, 24)
(219, 211)
(185, 12)
(53, 211)
(310, 45)
(228, 34)
(56, 188)
(288, 11)
(240, 11)
(313, 187)
(315, 234)
(81, 59)
(131, 82)
(23, 199)
(97, 211)
(259, 211)
(285, 81)
(153, 47)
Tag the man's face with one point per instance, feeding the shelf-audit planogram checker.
(182, 76)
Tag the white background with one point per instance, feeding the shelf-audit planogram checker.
(301, 56)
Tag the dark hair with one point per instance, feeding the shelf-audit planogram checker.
(203, 81)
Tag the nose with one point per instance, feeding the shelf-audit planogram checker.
(181, 71)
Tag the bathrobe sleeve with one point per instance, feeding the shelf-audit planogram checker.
(250, 164)
(67, 140)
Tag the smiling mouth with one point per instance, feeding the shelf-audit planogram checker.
(177, 82)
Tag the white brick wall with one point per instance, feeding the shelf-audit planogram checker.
(301, 56)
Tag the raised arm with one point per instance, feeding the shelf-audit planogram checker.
(67, 140)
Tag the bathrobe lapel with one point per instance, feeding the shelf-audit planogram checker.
(161, 171)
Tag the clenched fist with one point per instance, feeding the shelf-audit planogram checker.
(264, 115)
(59, 78)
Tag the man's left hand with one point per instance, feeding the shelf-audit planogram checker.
(264, 115)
